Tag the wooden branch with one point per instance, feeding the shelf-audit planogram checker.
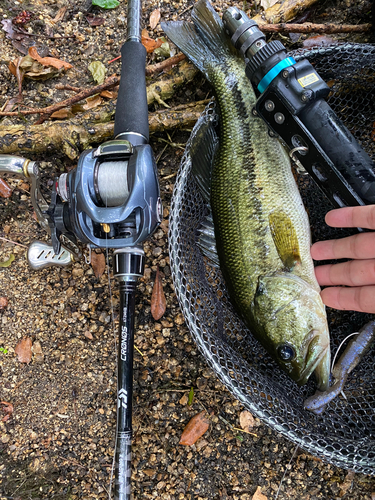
(187, 73)
(314, 28)
(70, 137)
(283, 11)
(66, 103)
(167, 63)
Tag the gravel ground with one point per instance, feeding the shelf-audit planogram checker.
(59, 441)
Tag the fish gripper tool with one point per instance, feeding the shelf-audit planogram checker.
(291, 100)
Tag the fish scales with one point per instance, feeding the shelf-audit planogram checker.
(261, 227)
(258, 182)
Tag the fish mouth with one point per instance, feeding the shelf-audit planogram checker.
(312, 361)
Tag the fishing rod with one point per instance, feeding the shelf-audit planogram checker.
(292, 103)
(111, 200)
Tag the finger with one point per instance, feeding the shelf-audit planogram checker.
(352, 217)
(352, 299)
(351, 273)
(358, 246)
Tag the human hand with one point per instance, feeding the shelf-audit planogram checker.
(358, 274)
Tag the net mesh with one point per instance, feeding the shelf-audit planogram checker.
(344, 434)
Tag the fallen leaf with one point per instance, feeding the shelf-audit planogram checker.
(318, 41)
(95, 21)
(8, 262)
(191, 396)
(150, 43)
(32, 69)
(23, 350)
(247, 421)
(154, 18)
(108, 94)
(106, 4)
(16, 70)
(164, 50)
(48, 61)
(5, 189)
(258, 495)
(11, 32)
(8, 410)
(60, 15)
(97, 70)
(62, 113)
(91, 102)
(195, 429)
(98, 263)
(158, 302)
(3, 303)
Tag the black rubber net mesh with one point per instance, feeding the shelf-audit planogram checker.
(344, 434)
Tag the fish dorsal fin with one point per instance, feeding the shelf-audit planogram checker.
(203, 146)
(285, 238)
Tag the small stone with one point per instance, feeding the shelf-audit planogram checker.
(157, 251)
(179, 319)
(5, 438)
(77, 272)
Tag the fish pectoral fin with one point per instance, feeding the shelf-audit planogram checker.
(285, 238)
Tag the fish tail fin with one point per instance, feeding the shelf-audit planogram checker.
(204, 43)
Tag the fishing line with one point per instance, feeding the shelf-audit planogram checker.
(335, 356)
(338, 350)
(286, 470)
(115, 339)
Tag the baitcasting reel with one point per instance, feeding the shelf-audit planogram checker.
(292, 103)
(110, 200)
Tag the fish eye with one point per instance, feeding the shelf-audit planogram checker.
(286, 352)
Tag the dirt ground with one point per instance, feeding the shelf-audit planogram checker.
(59, 441)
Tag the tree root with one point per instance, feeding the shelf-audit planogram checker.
(282, 12)
(73, 136)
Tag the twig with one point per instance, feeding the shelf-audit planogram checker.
(84, 93)
(167, 63)
(13, 242)
(72, 461)
(314, 28)
(236, 428)
(67, 102)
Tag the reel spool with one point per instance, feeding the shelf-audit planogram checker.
(345, 434)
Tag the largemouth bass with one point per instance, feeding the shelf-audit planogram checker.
(261, 227)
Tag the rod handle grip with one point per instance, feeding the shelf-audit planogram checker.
(132, 109)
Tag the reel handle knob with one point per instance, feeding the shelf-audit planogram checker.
(41, 255)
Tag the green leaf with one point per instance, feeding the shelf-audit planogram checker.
(98, 70)
(191, 397)
(106, 4)
(8, 262)
(164, 50)
(3, 350)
